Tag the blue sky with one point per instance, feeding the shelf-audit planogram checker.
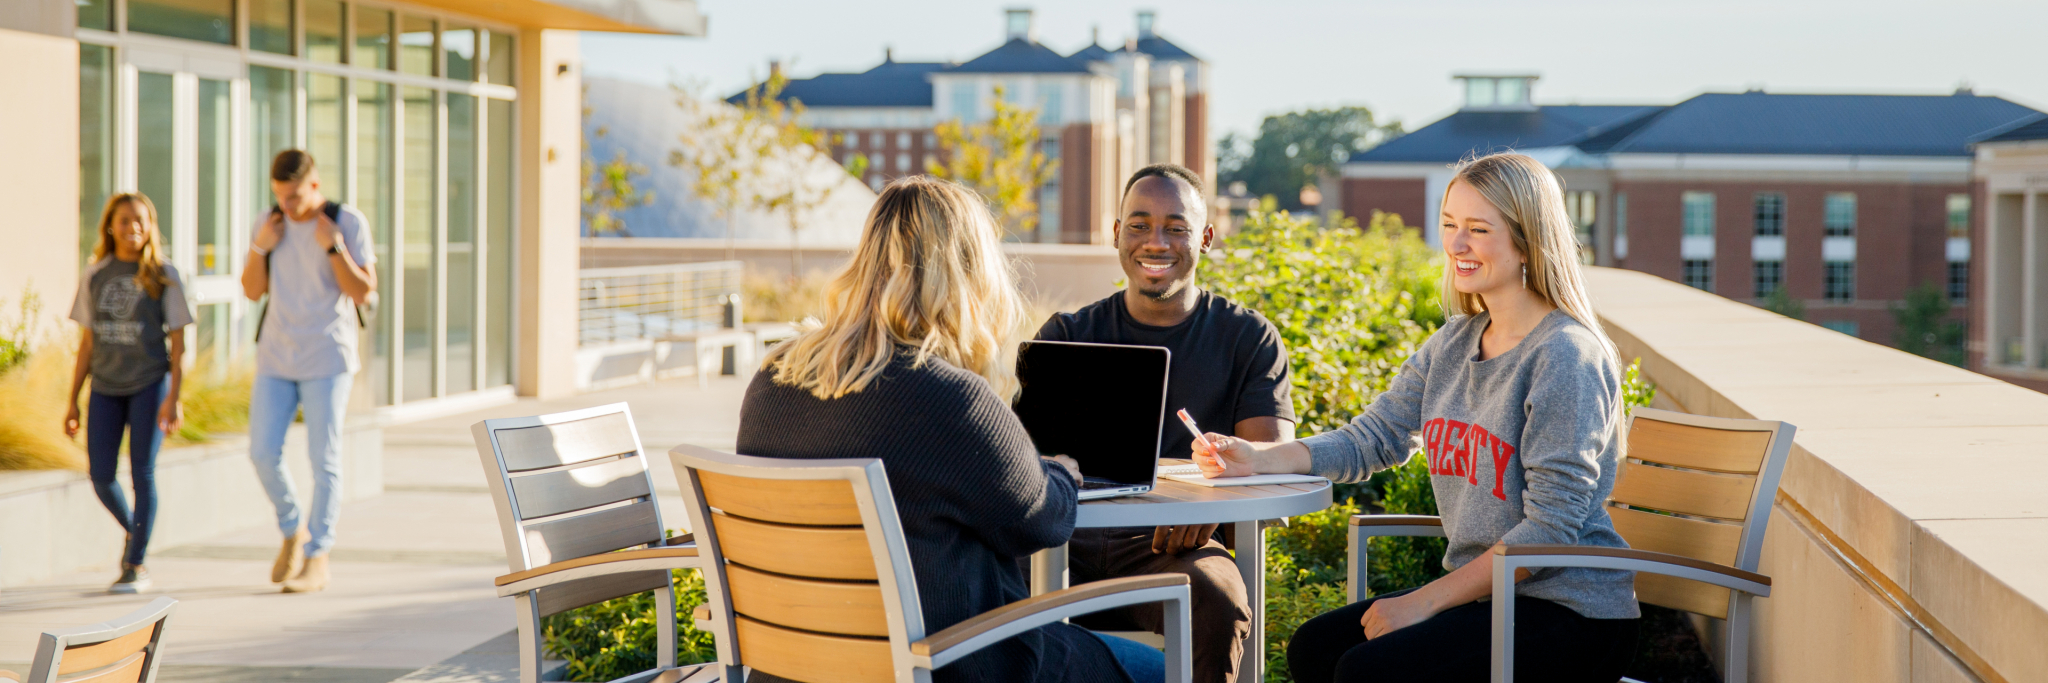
(1396, 57)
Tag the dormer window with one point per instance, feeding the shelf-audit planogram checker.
(1497, 92)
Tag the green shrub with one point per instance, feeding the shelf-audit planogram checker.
(616, 637)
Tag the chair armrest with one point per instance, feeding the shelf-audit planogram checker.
(683, 540)
(1680, 566)
(9, 676)
(1397, 525)
(996, 625)
(681, 557)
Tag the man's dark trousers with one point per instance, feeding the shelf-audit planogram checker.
(1221, 620)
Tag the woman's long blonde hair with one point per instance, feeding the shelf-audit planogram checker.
(930, 275)
(149, 271)
(1531, 198)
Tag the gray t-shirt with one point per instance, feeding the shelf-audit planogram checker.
(309, 331)
(1521, 449)
(129, 329)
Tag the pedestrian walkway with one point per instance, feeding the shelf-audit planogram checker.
(413, 568)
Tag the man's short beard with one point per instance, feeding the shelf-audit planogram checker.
(1171, 290)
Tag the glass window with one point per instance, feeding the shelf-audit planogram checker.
(271, 117)
(498, 243)
(1699, 274)
(1699, 213)
(154, 164)
(1051, 106)
(1769, 275)
(1838, 284)
(1479, 92)
(373, 38)
(1958, 281)
(327, 137)
(323, 30)
(875, 140)
(1848, 327)
(270, 26)
(498, 60)
(1839, 219)
(966, 104)
(95, 140)
(211, 21)
(97, 14)
(214, 186)
(1959, 215)
(416, 45)
(1770, 214)
(903, 140)
(1513, 91)
(462, 247)
(902, 163)
(458, 43)
(375, 173)
(1621, 215)
(931, 140)
(419, 253)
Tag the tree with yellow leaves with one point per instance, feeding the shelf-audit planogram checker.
(999, 158)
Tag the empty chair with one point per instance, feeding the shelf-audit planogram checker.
(571, 489)
(808, 576)
(1693, 500)
(120, 651)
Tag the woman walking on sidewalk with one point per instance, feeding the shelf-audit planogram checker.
(132, 310)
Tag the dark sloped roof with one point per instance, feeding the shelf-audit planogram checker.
(891, 84)
(1092, 53)
(2035, 128)
(1479, 132)
(1162, 48)
(1020, 56)
(1760, 123)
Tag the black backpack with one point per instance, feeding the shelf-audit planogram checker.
(333, 211)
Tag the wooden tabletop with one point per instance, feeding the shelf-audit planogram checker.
(1174, 502)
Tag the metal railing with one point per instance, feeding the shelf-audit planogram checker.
(654, 302)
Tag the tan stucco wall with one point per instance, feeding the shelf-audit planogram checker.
(550, 153)
(1905, 545)
(39, 176)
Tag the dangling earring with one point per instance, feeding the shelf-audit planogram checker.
(1525, 275)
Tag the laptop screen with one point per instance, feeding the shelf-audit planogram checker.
(1102, 404)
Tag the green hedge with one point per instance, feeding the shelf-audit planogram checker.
(615, 638)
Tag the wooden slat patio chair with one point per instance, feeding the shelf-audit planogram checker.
(807, 576)
(573, 492)
(1693, 500)
(120, 651)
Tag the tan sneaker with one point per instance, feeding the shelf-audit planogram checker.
(289, 558)
(312, 579)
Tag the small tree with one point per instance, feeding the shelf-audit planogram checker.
(1925, 328)
(1000, 159)
(716, 147)
(1296, 149)
(608, 186)
(788, 150)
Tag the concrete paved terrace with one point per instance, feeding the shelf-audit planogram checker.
(413, 567)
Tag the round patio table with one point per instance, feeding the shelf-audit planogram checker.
(1175, 502)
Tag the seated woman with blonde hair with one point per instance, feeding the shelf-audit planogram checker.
(909, 366)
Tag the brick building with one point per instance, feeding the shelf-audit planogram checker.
(1103, 113)
(2009, 322)
(1845, 201)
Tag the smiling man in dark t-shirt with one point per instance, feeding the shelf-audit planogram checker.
(1229, 371)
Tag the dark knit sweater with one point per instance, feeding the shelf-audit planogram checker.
(971, 492)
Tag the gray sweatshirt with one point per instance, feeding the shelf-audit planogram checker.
(1521, 449)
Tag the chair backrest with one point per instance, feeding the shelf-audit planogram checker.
(805, 568)
(120, 651)
(1701, 487)
(570, 485)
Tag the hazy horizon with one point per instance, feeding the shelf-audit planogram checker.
(1397, 57)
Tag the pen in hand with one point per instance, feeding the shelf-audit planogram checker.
(1200, 439)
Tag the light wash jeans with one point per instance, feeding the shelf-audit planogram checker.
(272, 404)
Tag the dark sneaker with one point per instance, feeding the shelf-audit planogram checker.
(134, 579)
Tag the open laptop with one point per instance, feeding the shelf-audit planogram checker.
(1102, 404)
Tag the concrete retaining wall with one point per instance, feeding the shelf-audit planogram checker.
(51, 522)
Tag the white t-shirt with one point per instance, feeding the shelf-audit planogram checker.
(309, 331)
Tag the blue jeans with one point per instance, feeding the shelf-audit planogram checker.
(272, 403)
(106, 418)
(1139, 661)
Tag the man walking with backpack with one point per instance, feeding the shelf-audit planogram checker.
(312, 257)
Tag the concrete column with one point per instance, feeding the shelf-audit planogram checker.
(39, 181)
(550, 153)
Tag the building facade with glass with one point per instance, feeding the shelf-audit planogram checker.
(447, 129)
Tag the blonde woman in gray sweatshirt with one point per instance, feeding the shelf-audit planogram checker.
(1517, 402)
